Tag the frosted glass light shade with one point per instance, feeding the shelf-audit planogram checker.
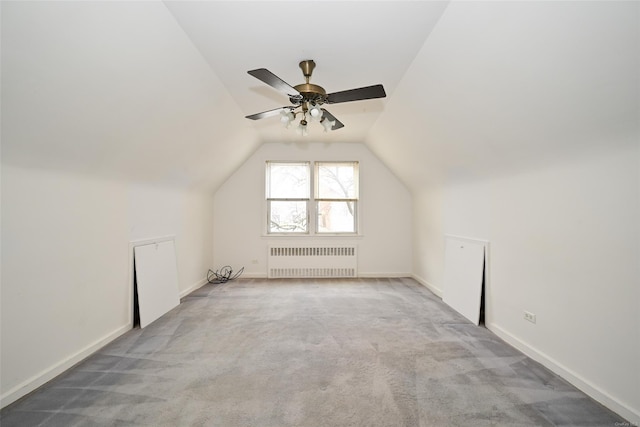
(315, 112)
(328, 124)
(286, 117)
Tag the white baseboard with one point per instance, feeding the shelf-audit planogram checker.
(437, 291)
(193, 287)
(360, 274)
(382, 275)
(53, 371)
(632, 415)
(253, 275)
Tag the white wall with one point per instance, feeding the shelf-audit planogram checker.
(384, 249)
(157, 211)
(428, 240)
(66, 287)
(64, 270)
(564, 245)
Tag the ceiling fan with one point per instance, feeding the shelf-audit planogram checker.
(307, 99)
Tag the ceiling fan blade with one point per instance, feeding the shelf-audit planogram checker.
(328, 116)
(266, 114)
(369, 92)
(274, 81)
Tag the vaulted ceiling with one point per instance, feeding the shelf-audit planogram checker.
(157, 91)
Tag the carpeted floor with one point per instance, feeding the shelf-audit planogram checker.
(365, 352)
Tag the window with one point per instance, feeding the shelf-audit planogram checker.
(336, 197)
(290, 207)
(288, 197)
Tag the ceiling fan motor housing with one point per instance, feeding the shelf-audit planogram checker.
(310, 93)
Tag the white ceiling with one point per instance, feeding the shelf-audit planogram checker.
(157, 91)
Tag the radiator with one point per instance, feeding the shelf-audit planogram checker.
(312, 261)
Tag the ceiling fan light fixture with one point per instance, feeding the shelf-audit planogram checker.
(328, 124)
(286, 117)
(315, 112)
(302, 128)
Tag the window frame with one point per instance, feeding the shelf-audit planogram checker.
(312, 201)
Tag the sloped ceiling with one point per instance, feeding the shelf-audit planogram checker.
(117, 90)
(500, 87)
(157, 91)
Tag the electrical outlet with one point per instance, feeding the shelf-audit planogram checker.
(254, 261)
(530, 317)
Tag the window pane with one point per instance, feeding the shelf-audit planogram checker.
(336, 217)
(288, 181)
(287, 217)
(337, 181)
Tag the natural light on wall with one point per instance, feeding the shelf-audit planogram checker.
(289, 202)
